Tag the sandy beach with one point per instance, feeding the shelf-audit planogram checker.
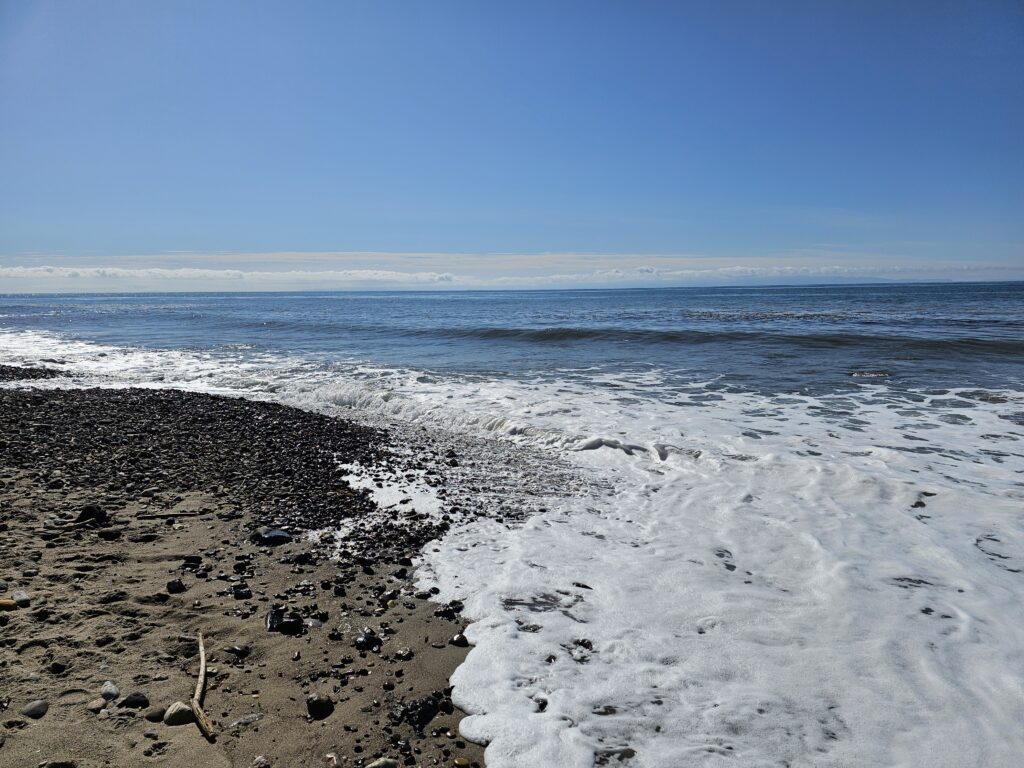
(132, 520)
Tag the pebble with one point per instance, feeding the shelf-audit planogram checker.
(35, 709)
(179, 713)
(21, 598)
(96, 705)
(8, 605)
(109, 691)
(134, 701)
(319, 706)
(260, 762)
(155, 714)
(384, 762)
(271, 537)
(175, 587)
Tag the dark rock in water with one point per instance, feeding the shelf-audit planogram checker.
(176, 586)
(319, 706)
(21, 598)
(134, 701)
(35, 709)
(287, 623)
(155, 714)
(271, 537)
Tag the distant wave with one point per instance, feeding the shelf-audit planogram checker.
(683, 337)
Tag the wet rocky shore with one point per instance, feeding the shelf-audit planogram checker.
(134, 520)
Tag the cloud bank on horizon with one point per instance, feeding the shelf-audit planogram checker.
(434, 271)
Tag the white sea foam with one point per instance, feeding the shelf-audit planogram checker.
(749, 581)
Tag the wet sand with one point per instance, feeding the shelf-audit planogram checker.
(132, 520)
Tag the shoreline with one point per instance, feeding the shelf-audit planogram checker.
(133, 519)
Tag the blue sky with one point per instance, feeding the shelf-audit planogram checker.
(465, 144)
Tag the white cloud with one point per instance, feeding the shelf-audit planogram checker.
(339, 271)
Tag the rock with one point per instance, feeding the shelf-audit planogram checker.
(319, 706)
(21, 598)
(384, 762)
(287, 623)
(109, 691)
(260, 762)
(3, 586)
(96, 705)
(241, 591)
(179, 713)
(35, 709)
(459, 641)
(8, 605)
(154, 714)
(367, 640)
(271, 537)
(110, 534)
(238, 651)
(176, 587)
(91, 513)
(134, 701)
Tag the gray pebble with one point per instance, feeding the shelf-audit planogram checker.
(35, 709)
(178, 713)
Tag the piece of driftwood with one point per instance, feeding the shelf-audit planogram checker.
(197, 698)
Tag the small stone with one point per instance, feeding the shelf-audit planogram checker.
(109, 691)
(179, 713)
(110, 534)
(319, 706)
(384, 762)
(154, 714)
(3, 586)
(134, 701)
(271, 537)
(239, 651)
(459, 641)
(175, 586)
(8, 605)
(96, 705)
(35, 709)
(260, 762)
(21, 598)
(461, 762)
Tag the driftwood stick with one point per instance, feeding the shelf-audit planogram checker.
(197, 698)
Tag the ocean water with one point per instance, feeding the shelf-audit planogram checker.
(798, 535)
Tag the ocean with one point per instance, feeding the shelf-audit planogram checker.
(797, 537)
